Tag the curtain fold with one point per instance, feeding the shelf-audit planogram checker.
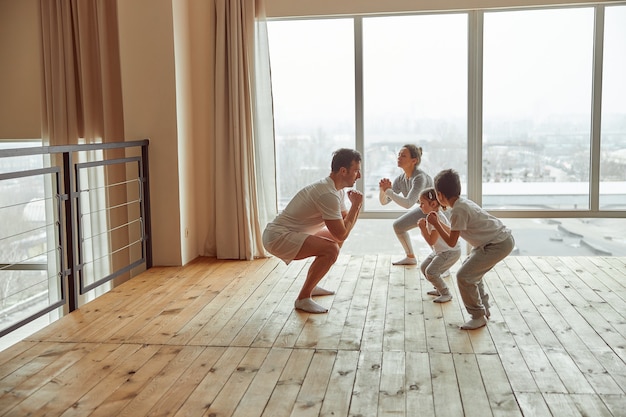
(244, 133)
(264, 130)
(82, 103)
(81, 77)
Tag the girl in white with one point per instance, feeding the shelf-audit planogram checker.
(492, 241)
(443, 256)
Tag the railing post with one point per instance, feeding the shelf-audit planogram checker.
(70, 233)
(146, 206)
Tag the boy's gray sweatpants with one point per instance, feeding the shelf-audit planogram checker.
(470, 276)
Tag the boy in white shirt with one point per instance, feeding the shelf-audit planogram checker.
(491, 240)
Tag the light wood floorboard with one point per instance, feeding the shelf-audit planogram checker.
(221, 338)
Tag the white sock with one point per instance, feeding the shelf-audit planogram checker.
(321, 291)
(310, 306)
(405, 261)
(443, 298)
(474, 323)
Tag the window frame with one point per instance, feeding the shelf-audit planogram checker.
(475, 105)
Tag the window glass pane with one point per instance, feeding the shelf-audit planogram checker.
(537, 108)
(613, 137)
(568, 237)
(533, 237)
(415, 91)
(27, 251)
(313, 90)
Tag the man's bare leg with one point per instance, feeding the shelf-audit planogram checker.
(325, 252)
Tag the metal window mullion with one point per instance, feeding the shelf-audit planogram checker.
(475, 106)
(358, 93)
(596, 109)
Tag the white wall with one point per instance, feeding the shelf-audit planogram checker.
(149, 92)
(184, 87)
(202, 142)
(167, 52)
(194, 46)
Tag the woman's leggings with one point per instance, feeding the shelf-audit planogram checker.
(403, 224)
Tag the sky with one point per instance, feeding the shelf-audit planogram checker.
(535, 62)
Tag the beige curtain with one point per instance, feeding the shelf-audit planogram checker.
(244, 147)
(82, 103)
(82, 88)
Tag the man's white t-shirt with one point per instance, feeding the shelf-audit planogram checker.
(312, 205)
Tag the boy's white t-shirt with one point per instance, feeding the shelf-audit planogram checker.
(475, 225)
(440, 245)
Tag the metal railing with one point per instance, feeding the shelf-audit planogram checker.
(74, 218)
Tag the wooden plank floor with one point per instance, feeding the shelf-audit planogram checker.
(221, 338)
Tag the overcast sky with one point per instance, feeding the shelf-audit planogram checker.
(535, 62)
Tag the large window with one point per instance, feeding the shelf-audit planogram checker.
(537, 108)
(613, 144)
(414, 91)
(313, 90)
(508, 98)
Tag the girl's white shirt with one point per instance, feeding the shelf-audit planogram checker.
(440, 245)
